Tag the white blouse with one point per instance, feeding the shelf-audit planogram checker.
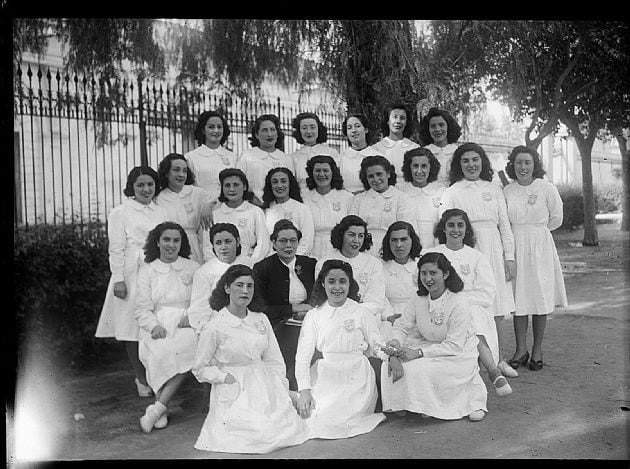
(426, 203)
(401, 283)
(206, 164)
(350, 166)
(301, 217)
(395, 151)
(523, 209)
(305, 153)
(256, 163)
(444, 156)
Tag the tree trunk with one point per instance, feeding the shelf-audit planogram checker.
(625, 176)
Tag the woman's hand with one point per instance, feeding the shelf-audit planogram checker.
(183, 322)
(300, 310)
(305, 403)
(510, 270)
(395, 368)
(120, 290)
(206, 216)
(393, 318)
(158, 332)
(229, 379)
(406, 354)
(391, 348)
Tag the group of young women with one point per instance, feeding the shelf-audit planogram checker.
(316, 292)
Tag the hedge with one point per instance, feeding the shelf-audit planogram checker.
(608, 199)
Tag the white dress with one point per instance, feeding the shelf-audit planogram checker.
(485, 206)
(203, 284)
(535, 210)
(206, 164)
(350, 166)
(255, 414)
(444, 156)
(479, 287)
(128, 226)
(163, 297)
(256, 163)
(305, 153)
(185, 208)
(327, 210)
(342, 383)
(300, 215)
(444, 383)
(395, 151)
(250, 222)
(426, 202)
(381, 209)
(401, 283)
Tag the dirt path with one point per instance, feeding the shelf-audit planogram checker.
(575, 408)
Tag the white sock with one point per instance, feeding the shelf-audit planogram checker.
(161, 408)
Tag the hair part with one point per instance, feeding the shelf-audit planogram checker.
(318, 296)
(135, 173)
(165, 166)
(322, 130)
(434, 164)
(538, 172)
(228, 228)
(200, 134)
(336, 181)
(294, 187)
(416, 246)
(336, 234)
(235, 172)
(453, 282)
(376, 160)
(456, 174)
(151, 248)
(438, 232)
(256, 128)
(453, 129)
(219, 298)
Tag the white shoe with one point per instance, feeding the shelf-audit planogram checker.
(143, 391)
(506, 370)
(162, 422)
(151, 415)
(504, 388)
(477, 416)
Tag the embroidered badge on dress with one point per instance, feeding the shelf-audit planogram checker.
(288, 215)
(186, 279)
(260, 326)
(487, 196)
(531, 200)
(465, 269)
(438, 318)
(225, 160)
(388, 206)
(336, 206)
(242, 221)
(436, 202)
(364, 277)
(298, 269)
(188, 207)
(348, 324)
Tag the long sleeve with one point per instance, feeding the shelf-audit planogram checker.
(505, 228)
(305, 350)
(555, 206)
(266, 283)
(272, 356)
(207, 346)
(374, 298)
(407, 320)
(457, 327)
(199, 311)
(145, 309)
(484, 286)
(263, 243)
(117, 243)
(373, 336)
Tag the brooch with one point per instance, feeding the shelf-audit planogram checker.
(188, 207)
(388, 206)
(364, 277)
(438, 318)
(186, 279)
(298, 269)
(465, 269)
(348, 324)
(336, 206)
(436, 202)
(242, 221)
(531, 200)
(487, 196)
(225, 160)
(288, 215)
(260, 326)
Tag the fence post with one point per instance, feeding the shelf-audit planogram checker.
(144, 160)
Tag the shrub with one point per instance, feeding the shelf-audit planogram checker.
(608, 198)
(573, 206)
(60, 279)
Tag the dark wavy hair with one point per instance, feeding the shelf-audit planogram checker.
(318, 296)
(438, 232)
(229, 228)
(370, 136)
(416, 246)
(336, 181)
(322, 130)
(336, 234)
(434, 164)
(453, 282)
(200, 135)
(409, 125)
(151, 249)
(219, 298)
(294, 187)
(376, 160)
(284, 224)
(135, 173)
(165, 166)
(228, 172)
(456, 174)
(539, 172)
(256, 127)
(453, 129)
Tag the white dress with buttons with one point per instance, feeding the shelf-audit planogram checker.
(206, 165)
(444, 155)
(426, 202)
(394, 151)
(305, 153)
(300, 215)
(401, 284)
(256, 163)
(350, 166)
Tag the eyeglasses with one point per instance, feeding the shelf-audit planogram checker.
(285, 241)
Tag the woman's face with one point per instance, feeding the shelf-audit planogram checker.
(400, 244)
(267, 135)
(169, 243)
(438, 130)
(377, 178)
(433, 279)
(455, 230)
(213, 130)
(397, 121)
(233, 189)
(471, 165)
(309, 131)
(356, 132)
(280, 186)
(286, 245)
(353, 239)
(337, 286)
(177, 175)
(144, 189)
(524, 168)
(322, 174)
(225, 246)
(241, 291)
(420, 169)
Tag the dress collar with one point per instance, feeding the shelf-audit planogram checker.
(140, 207)
(185, 192)
(387, 194)
(233, 321)
(223, 208)
(165, 267)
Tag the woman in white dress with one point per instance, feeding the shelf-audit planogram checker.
(420, 170)
(535, 209)
(382, 203)
(326, 199)
(267, 152)
(400, 251)
(436, 375)
(235, 207)
(310, 132)
(457, 242)
(473, 191)
(397, 126)
(127, 228)
(185, 204)
(338, 393)
(439, 132)
(226, 246)
(167, 342)
(282, 200)
(210, 157)
(251, 407)
(356, 127)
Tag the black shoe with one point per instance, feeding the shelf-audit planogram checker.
(516, 362)
(536, 365)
